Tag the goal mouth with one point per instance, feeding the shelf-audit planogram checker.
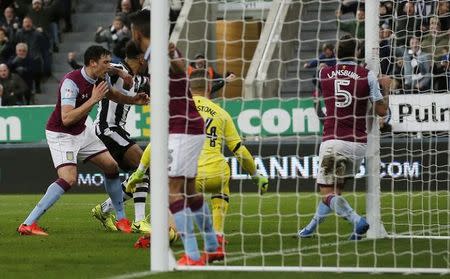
(385, 211)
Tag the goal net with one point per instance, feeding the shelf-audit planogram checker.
(275, 48)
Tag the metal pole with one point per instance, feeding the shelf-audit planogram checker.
(373, 194)
(159, 66)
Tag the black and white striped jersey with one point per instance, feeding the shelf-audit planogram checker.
(111, 114)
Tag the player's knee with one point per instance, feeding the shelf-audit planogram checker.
(111, 167)
(195, 202)
(221, 196)
(66, 182)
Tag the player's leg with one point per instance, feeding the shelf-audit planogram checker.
(63, 148)
(183, 155)
(323, 177)
(218, 186)
(67, 177)
(132, 157)
(192, 147)
(183, 221)
(347, 159)
(113, 187)
(118, 143)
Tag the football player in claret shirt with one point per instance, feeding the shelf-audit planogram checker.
(186, 138)
(213, 173)
(69, 139)
(346, 89)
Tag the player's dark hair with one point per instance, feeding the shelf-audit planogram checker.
(141, 21)
(198, 79)
(95, 53)
(346, 48)
(132, 51)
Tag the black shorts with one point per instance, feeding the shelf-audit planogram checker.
(118, 141)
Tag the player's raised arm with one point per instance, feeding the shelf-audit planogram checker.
(177, 63)
(138, 99)
(69, 91)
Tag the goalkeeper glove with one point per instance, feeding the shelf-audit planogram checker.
(262, 182)
(136, 177)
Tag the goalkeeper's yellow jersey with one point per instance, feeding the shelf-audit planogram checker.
(220, 131)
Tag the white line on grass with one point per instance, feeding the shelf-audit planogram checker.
(285, 252)
(134, 275)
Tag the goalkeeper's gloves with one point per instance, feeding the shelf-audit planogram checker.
(135, 177)
(262, 182)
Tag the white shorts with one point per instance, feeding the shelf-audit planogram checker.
(184, 151)
(67, 148)
(352, 153)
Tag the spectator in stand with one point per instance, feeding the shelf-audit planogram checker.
(175, 9)
(386, 51)
(216, 80)
(407, 25)
(21, 8)
(6, 47)
(326, 58)
(445, 64)
(65, 12)
(38, 48)
(116, 36)
(72, 61)
(44, 20)
(354, 27)
(351, 6)
(1, 95)
(10, 23)
(14, 88)
(385, 15)
(443, 13)
(127, 6)
(436, 43)
(417, 68)
(22, 65)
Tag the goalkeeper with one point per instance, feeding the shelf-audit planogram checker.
(213, 173)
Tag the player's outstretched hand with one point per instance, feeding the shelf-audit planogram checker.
(262, 182)
(99, 91)
(141, 99)
(136, 177)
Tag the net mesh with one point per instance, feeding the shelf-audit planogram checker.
(275, 49)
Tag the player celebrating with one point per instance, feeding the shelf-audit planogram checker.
(346, 89)
(213, 173)
(68, 138)
(110, 128)
(186, 139)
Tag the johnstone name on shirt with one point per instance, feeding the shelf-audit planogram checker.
(207, 109)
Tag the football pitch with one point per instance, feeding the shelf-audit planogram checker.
(78, 247)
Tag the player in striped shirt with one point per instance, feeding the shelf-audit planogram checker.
(110, 128)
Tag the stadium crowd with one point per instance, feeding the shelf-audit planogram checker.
(29, 33)
(414, 42)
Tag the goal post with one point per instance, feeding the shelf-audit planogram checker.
(159, 190)
(403, 187)
(373, 193)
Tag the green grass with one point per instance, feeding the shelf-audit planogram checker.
(78, 247)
